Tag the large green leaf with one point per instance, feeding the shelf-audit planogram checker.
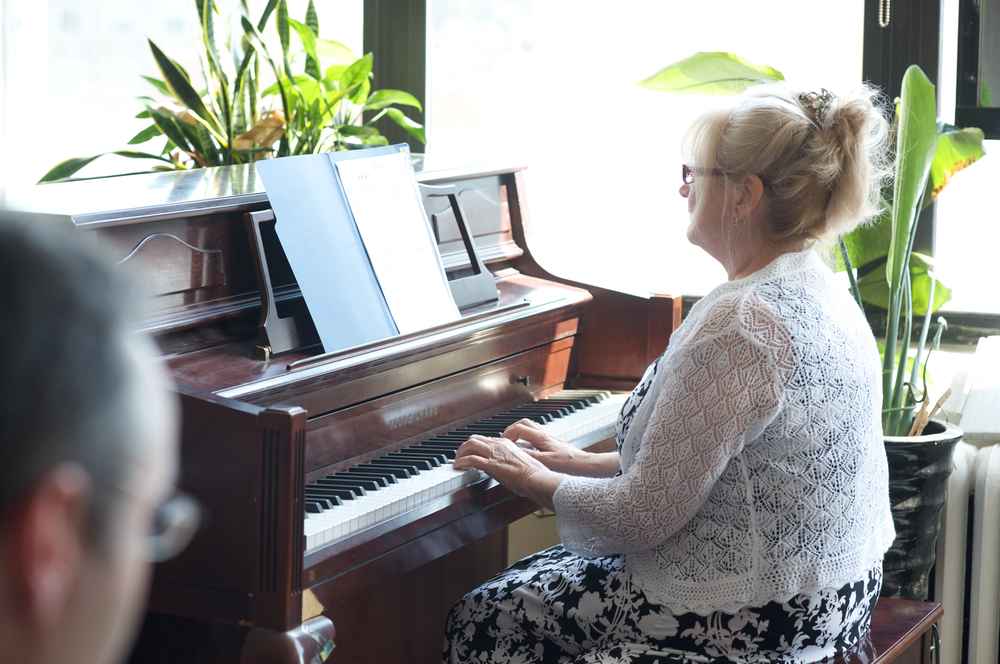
(414, 129)
(355, 78)
(956, 149)
(180, 85)
(711, 73)
(916, 142)
(867, 243)
(875, 289)
(382, 98)
(308, 39)
(334, 52)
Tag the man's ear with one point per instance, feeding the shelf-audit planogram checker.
(47, 544)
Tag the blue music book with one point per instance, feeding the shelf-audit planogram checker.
(314, 222)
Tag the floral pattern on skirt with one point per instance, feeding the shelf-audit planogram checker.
(558, 607)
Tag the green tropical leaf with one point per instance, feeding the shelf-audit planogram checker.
(382, 98)
(414, 129)
(956, 149)
(150, 132)
(711, 73)
(308, 39)
(868, 243)
(875, 288)
(170, 127)
(916, 142)
(143, 115)
(356, 77)
(334, 52)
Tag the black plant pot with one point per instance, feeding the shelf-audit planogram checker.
(919, 467)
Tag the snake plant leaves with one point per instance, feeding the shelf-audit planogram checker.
(382, 98)
(711, 73)
(875, 289)
(69, 167)
(312, 22)
(180, 85)
(150, 132)
(160, 86)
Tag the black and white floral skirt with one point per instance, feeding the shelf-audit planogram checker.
(555, 606)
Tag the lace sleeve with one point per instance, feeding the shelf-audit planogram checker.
(716, 394)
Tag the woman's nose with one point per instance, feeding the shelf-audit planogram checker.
(685, 190)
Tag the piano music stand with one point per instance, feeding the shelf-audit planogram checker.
(277, 335)
(469, 290)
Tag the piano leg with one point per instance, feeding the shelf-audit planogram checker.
(170, 640)
(310, 643)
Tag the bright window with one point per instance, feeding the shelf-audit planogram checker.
(70, 73)
(552, 85)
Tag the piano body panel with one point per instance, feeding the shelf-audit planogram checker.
(245, 464)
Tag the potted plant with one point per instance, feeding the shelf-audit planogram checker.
(893, 277)
(320, 98)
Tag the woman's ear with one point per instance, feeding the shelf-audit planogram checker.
(749, 195)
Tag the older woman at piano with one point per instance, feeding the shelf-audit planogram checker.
(745, 514)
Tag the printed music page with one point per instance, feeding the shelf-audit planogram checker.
(389, 214)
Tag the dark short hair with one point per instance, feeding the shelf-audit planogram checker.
(65, 375)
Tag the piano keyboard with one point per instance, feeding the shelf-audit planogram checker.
(347, 502)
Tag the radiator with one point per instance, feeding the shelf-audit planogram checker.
(967, 575)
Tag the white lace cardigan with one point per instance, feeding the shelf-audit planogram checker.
(754, 468)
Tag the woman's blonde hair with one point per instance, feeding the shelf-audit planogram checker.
(823, 167)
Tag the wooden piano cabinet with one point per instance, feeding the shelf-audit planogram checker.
(244, 464)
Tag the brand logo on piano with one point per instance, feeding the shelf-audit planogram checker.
(412, 417)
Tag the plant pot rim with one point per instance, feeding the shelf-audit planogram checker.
(951, 433)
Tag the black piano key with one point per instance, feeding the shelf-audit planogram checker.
(330, 501)
(422, 457)
(363, 482)
(438, 448)
(398, 471)
(357, 489)
(409, 463)
(331, 492)
(422, 464)
(436, 458)
(324, 503)
(383, 478)
(312, 507)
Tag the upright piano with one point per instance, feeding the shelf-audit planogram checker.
(335, 528)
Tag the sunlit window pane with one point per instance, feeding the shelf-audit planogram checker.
(552, 85)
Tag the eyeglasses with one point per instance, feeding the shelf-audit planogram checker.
(175, 522)
(688, 172)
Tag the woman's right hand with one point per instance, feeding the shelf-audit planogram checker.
(553, 453)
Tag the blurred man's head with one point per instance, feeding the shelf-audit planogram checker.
(87, 453)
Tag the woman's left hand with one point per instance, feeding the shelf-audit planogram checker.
(510, 465)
